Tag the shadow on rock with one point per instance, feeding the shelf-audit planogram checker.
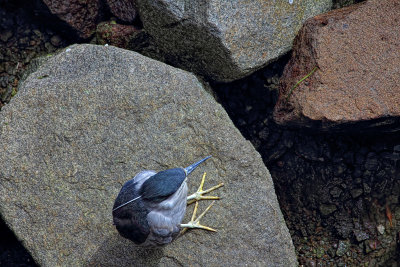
(116, 251)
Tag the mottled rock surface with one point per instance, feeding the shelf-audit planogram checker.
(357, 52)
(112, 33)
(124, 10)
(225, 40)
(90, 118)
(80, 15)
(127, 37)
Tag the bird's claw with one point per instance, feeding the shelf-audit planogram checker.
(195, 223)
(200, 192)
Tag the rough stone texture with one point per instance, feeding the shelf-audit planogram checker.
(109, 32)
(127, 37)
(225, 40)
(343, 3)
(357, 52)
(80, 15)
(88, 120)
(124, 10)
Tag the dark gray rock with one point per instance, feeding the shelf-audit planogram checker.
(225, 40)
(88, 120)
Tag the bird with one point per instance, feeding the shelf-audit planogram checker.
(150, 207)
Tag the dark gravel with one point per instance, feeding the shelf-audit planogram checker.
(335, 189)
(24, 35)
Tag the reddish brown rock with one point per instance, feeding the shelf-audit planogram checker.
(127, 37)
(357, 53)
(81, 15)
(115, 34)
(124, 10)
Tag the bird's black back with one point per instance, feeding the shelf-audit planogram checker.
(131, 219)
(162, 185)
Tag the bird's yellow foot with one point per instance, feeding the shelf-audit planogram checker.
(200, 192)
(195, 223)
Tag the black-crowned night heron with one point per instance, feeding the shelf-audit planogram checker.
(150, 207)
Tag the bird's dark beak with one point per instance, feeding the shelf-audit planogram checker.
(191, 168)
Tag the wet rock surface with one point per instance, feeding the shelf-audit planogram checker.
(92, 116)
(356, 51)
(225, 40)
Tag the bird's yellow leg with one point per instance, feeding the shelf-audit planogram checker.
(200, 192)
(195, 223)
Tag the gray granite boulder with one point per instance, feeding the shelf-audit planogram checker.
(225, 40)
(90, 118)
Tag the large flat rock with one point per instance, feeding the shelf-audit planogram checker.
(88, 120)
(225, 40)
(356, 86)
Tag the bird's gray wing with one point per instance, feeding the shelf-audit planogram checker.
(131, 222)
(131, 219)
(162, 185)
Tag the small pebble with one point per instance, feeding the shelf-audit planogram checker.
(343, 247)
(381, 229)
(55, 40)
